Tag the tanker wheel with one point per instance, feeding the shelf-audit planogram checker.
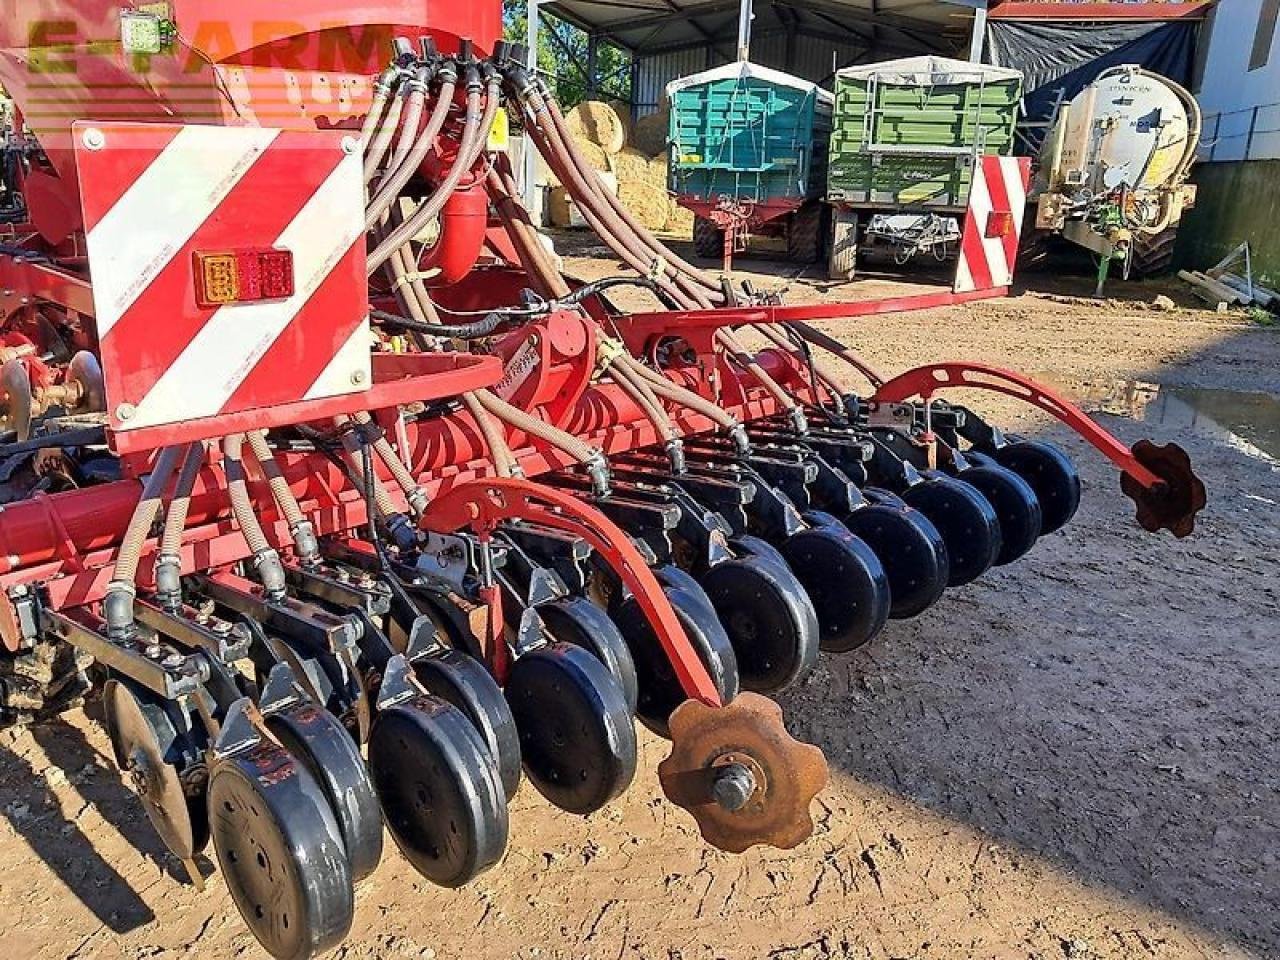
(804, 234)
(770, 621)
(1014, 502)
(1050, 473)
(467, 684)
(845, 580)
(708, 239)
(146, 742)
(324, 747)
(576, 734)
(578, 621)
(966, 520)
(842, 256)
(439, 788)
(281, 852)
(1151, 255)
(910, 548)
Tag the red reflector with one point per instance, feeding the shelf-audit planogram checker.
(999, 224)
(243, 276)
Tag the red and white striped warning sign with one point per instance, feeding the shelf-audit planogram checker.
(993, 224)
(228, 268)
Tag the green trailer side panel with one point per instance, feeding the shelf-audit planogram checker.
(903, 146)
(748, 139)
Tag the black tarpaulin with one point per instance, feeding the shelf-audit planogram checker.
(1070, 56)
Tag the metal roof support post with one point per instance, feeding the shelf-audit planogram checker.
(530, 185)
(745, 16)
(978, 40)
(593, 64)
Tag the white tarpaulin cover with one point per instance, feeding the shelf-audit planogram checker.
(743, 69)
(929, 71)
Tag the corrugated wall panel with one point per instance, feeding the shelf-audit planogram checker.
(812, 59)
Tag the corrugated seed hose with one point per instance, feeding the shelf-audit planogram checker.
(266, 560)
(503, 459)
(820, 372)
(300, 528)
(117, 605)
(685, 397)
(831, 344)
(413, 493)
(580, 450)
(168, 567)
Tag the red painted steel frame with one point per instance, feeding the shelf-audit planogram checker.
(482, 505)
(926, 381)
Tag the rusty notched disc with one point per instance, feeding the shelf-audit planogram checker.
(780, 774)
(1174, 506)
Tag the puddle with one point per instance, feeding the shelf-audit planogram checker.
(1248, 422)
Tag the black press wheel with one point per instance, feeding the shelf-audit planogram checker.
(466, 683)
(846, 582)
(281, 852)
(910, 548)
(770, 621)
(576, 733)
(967, 522)
(578, 621)
(323, 746)
(439, 788)
(1050, 473)
(1014, 502)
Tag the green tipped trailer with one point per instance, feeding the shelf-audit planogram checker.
(906, 136)
(748, 155)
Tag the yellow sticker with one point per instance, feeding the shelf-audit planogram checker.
(500, 132)
(691, 158)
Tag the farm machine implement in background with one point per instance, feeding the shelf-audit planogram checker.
(355, 512)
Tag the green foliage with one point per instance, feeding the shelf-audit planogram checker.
(562, 57)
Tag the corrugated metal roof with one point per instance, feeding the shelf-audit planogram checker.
(659, 26)
(811, 58)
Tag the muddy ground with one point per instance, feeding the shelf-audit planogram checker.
(1075, 757)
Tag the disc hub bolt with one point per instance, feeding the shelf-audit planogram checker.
(733, 786)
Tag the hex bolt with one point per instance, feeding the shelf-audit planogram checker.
(94, 139)
(126, 411)
(733, 786)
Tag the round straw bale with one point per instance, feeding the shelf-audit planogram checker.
(649, 133)
(594, 154)
(599, 123)
(646, 201)
(657, 172)
(630, 164)
(679, 220)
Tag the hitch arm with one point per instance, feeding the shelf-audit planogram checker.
(482, 505)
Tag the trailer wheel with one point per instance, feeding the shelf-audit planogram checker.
(804, 234)
(842, 264)
(1152, 254)
(708, 239)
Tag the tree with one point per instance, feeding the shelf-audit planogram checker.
(563, 57)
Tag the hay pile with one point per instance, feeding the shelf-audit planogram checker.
(636, 157)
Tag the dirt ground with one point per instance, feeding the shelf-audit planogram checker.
(1075, 757)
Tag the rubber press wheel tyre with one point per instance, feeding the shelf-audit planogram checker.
(580, 622)
(967, 522)
(467, 684)
(576, 733)
(1052, 476)
(281, 852)
(910, 548)
(1014, 502)
(439, 789)
(770, 621)
(846, 582)
(318, 741)
(804, 234)
(708, 239)
(660, 689)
